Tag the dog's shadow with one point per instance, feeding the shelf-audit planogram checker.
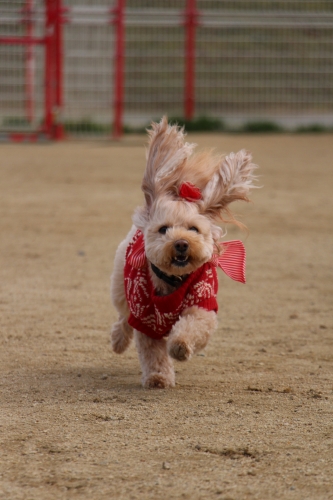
(79, 385)
(88, 384)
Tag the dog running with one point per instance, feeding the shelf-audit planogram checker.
(164, 283)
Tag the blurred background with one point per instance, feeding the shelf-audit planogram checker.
(73, 67)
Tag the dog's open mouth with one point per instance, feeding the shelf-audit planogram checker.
(180, 260)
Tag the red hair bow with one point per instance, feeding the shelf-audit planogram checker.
(189, 192)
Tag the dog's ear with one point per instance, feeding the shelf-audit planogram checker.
(232, 180)
(167, 151)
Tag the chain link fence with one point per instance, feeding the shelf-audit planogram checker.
(254, 61)
(21, 65)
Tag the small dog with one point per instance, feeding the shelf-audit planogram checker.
(164, 282)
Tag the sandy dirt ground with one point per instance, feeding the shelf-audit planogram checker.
(249, 418)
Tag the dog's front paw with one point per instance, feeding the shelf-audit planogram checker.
(121, 336)
(180, 351)
(158, 381)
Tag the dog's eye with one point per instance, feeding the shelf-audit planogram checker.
(163, 229)
(193, 228)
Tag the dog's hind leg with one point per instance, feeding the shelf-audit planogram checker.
(121, 331)
(156, 365)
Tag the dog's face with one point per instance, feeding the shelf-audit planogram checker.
(178, 240)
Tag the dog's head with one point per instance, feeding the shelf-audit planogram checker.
(185, 194)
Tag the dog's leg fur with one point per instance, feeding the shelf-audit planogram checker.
(121, 335)
(191, 333)
(121, 331)
(156, 365)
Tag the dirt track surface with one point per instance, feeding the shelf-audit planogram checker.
(250, 418)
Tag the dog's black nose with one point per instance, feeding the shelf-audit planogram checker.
(181, 246)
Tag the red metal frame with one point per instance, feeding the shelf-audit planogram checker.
(53, 42)
(54, 69)
(53, 73)
(118, 102)
(29, 62)
(49, 67)
(21, 40)
(58, 61)
(191, 16)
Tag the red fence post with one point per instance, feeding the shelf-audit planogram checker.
(49, 42)
(118, 102)
(58, 70)
(191, 15)
(29, 61)
(49, 67)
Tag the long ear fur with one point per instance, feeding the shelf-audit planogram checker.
(231, 181)
(166, 152)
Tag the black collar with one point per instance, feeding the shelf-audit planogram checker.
(169, 279)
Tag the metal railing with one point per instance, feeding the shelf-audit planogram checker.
(120, 64)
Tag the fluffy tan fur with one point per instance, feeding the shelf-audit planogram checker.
(221, 180)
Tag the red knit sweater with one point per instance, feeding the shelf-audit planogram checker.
(155, 315)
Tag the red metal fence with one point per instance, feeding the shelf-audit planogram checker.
(51, 42)
(74, 65)
(53, 15)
